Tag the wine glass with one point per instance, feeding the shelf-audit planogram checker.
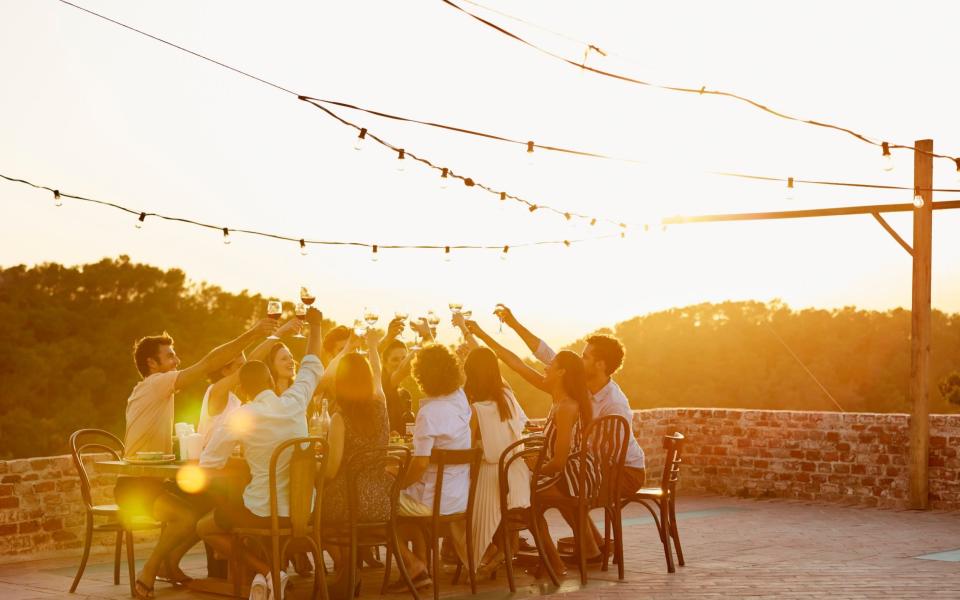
(371, 316)
(499, 311)
(300, 309)
(360, 330)
(274, 310)
(402, 316)
(455, 307)
(307, 296)
(433, 320)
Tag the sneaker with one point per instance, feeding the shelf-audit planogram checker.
(259, 590)
(284, 579)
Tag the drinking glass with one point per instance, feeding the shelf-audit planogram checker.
(307, 296)
(274, 310)
(433, 320)
(360, 330)
(499, 311)
(301, 311)
(371, 316)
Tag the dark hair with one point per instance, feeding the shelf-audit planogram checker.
(255, 377)
(436, 370)
(391, 346)
(335, 336)
(147, 347)
(609, 350)
(217, 375)
(484, 382)
(271, 358)
(575, 384)
(354, 373)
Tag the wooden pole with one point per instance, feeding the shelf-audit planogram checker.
(920, 329)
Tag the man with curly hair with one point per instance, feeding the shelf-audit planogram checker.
(443, 422)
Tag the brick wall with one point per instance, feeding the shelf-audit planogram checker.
(856, 458)
(41, 510)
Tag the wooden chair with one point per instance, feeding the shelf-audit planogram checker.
(355, 533)
(308, 460)
(664, 499)
(513, 520)
(432, 525)
(606, 440)
(88, 441)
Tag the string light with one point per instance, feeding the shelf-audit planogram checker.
(917, 198)
(530, 153)
(358, 143)
(57, 200)
(503, 255)
(303, 247)
(401, 157)
(566, 243)
(887, 158)
(226, 236)
(533, 208)
(140, 220)
(468, 182)
(791, 189)
(957, 160)
(374, 256)
(593, 222)
(444, 178)
(446, 254)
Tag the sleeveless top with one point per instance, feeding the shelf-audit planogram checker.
(568, 478)
(210, 423)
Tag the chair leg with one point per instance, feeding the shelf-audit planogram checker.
(674, 532)
(131, 563)
(116, 558)
(435, 548)
(87, 539)
(535, 530)
(618, 539)
(665, 535)
(606, 540)
(507, 552)
(235, 560)
(471, 559)
(395, 540)
(387, 563)
(275, 562)
(581, 536)
(352, 564)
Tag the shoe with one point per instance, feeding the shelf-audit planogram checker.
(259, 590)
(419, 582)
(284, 580)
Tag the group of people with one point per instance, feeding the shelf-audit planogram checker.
(265, 398)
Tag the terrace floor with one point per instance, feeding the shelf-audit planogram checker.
(734, 548)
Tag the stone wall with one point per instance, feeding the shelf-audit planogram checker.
(858, 458)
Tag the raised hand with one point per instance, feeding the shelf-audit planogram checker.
(293, 326)
(395, 328)
(314, 318)
(421, 327)
(265, 327)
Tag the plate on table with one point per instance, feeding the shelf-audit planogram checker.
(163, 459)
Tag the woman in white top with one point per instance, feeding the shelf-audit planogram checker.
(497, 422)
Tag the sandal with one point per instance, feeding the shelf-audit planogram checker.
(419, 582)
(141, 591)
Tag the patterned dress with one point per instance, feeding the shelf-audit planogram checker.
(568, 479)
(373, 486)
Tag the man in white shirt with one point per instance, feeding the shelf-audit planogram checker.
(263, 422)
(602, 357)
(443, 422)
(149, 428)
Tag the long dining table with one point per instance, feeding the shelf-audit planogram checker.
(231, 480)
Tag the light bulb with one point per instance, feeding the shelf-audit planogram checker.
(918, 200)
(358, 143)
(140, 220)
(444, 178)
(503, 255)
(401, 161)
(446, 254)
(957, 160)
(303, 247)
(226, 236)
(887, 158)
(57, 200)
(374, 256)
(791, 193)
(530, 153)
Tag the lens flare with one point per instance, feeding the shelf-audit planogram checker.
(192, 479)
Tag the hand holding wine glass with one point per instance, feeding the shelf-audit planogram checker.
(274, 310)
(266, 327)
(300, 310)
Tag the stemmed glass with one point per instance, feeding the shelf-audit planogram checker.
(301, 311)
(274, 310)
(360, 330)
(499, 311)
(371, 316)
(433, 320)
(402, 316)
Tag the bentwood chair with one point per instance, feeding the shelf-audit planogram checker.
(435, 524)
(662, 500)
(605, 441)
(356, 533)
(513, 520)
(307, 466)
(97, 441)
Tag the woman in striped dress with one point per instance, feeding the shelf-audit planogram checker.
(571, 413)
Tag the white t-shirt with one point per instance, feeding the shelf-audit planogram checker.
(210, 423)
(443, 422)
(610, 400)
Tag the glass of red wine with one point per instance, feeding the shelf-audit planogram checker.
(308, 298)
(301, 311)
(274, 310)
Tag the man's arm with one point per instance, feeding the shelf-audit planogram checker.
(221, 355)
(423, 443)
(509, 358)
(311, 368)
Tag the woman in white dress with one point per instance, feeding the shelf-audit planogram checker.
(497, 422)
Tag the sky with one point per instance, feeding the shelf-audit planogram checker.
(95, 110)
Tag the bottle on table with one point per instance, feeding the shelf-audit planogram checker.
(320, 421)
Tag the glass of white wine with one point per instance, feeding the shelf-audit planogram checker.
(371, 316)
(433, 320)
(274, 310)
(360, 330)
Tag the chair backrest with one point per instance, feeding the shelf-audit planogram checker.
(89, 441)
(376, 460)
(531, 447)
(673, 445)
(308, 461)
(445, 458)
(606, 439)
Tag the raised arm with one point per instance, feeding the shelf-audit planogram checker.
(460, 322)
(509, 358)
(311, 369)
(403, 370)
(394, 329)
(532, 341)
(372, 338)
(330, 373)
(221, 355)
